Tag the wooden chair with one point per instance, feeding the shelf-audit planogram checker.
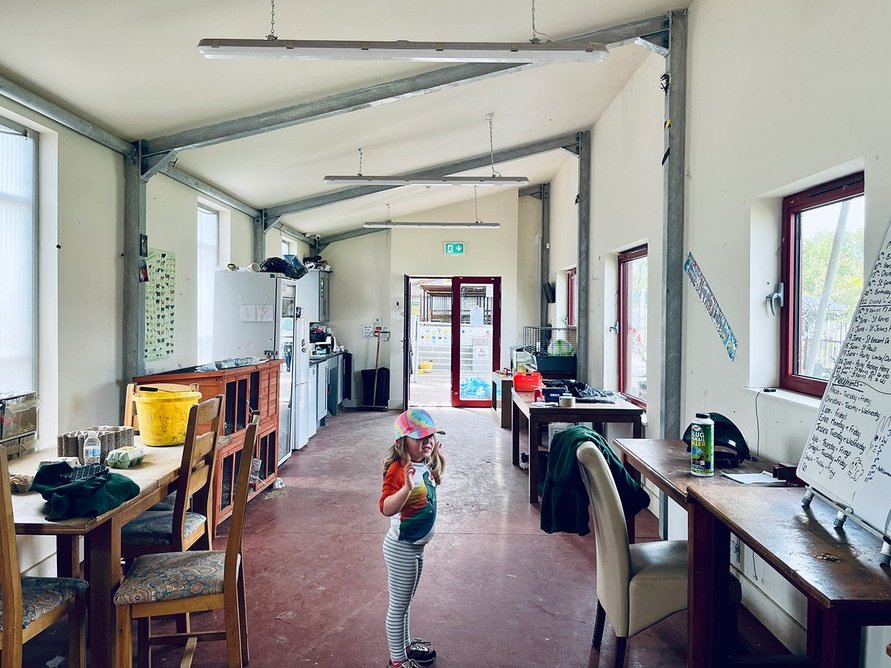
(190, 523)
(30, 605)
(637, 584)
(174, 583)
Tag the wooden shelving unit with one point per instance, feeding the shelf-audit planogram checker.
(245, 390)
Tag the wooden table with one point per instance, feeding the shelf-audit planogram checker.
(538, 416)
(156, 478)
(666, 463)
(838, 571)
(502, 384)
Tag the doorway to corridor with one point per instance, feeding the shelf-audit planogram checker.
(452, 340)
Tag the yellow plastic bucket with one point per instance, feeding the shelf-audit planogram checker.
(164, 416)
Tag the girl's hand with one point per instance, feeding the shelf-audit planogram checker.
(410, 474)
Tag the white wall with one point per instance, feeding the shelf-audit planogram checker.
(781, 95)
(564, 233)
(359, 293)
(626, 211)
(171, 225)
(364, 265)
(528, 269)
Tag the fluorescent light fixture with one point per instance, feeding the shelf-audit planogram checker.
(360, 179)
(388, 225)
(419, 52)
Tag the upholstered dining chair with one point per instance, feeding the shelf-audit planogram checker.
(131, 419)
(30, 605)
(190, 523)
(637, 584)
(177, 582)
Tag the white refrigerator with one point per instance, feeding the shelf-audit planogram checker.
(303, 427)
(255, 315)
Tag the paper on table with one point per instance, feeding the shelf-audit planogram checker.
(763, 478)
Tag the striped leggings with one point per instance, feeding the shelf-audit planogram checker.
(405, 561)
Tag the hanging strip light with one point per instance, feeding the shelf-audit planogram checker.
(477, 224)
(496, 179)
(534, 51)
(389, 225)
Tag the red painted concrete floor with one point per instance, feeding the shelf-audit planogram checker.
(496, 590)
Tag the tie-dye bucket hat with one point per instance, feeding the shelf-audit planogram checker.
(416, 423)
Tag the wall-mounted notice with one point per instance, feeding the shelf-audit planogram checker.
(160, 302)
(848, 455)
(708, 299)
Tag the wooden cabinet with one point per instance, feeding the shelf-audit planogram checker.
(246, 390)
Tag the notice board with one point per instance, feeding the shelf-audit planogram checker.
(848, 455)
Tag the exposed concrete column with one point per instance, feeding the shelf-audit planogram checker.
(673, 227)
(583, 271)
(134, 291)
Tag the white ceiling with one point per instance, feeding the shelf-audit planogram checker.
(131, 67)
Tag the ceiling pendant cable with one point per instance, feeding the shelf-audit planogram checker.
(496, 179)
(535, 51)
(271, 36)
(535, 39)
(490, 117)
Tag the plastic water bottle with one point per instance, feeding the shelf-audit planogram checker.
(92, 448)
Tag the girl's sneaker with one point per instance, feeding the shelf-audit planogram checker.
(420, 652)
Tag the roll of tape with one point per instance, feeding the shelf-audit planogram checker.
(567, 400)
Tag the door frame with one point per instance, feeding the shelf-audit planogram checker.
(457, 282)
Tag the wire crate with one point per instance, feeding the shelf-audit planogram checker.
(552, 350)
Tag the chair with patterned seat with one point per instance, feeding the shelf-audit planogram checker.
(190, 523)
(30, 605)
(131, 419)
(176, 583)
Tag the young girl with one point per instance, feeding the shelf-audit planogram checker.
(412, 469)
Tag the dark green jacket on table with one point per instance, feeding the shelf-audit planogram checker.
(82, 498)
(564, 501)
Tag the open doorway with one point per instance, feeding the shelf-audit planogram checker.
(452, 340)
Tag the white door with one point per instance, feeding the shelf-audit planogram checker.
(312, 392)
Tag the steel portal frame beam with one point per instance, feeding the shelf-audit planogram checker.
(584, 256)
(568, 142)
(165, 148)
(54, 112)
(673, 227)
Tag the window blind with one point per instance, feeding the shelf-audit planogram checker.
(18, 258)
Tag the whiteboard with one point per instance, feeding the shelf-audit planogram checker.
(848, 456)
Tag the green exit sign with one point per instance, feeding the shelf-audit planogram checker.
(454, 248)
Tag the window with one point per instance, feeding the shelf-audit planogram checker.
(633, 324)
(288, 247)
(208, 259)
(18, 248)
(823, 274)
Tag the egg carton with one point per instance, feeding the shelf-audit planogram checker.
(71, 444)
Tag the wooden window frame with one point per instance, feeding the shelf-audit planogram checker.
(626, 257)
(824, 194)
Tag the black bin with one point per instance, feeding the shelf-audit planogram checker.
(382, 396)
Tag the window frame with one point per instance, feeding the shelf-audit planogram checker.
(830, 192)
(624, 259)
